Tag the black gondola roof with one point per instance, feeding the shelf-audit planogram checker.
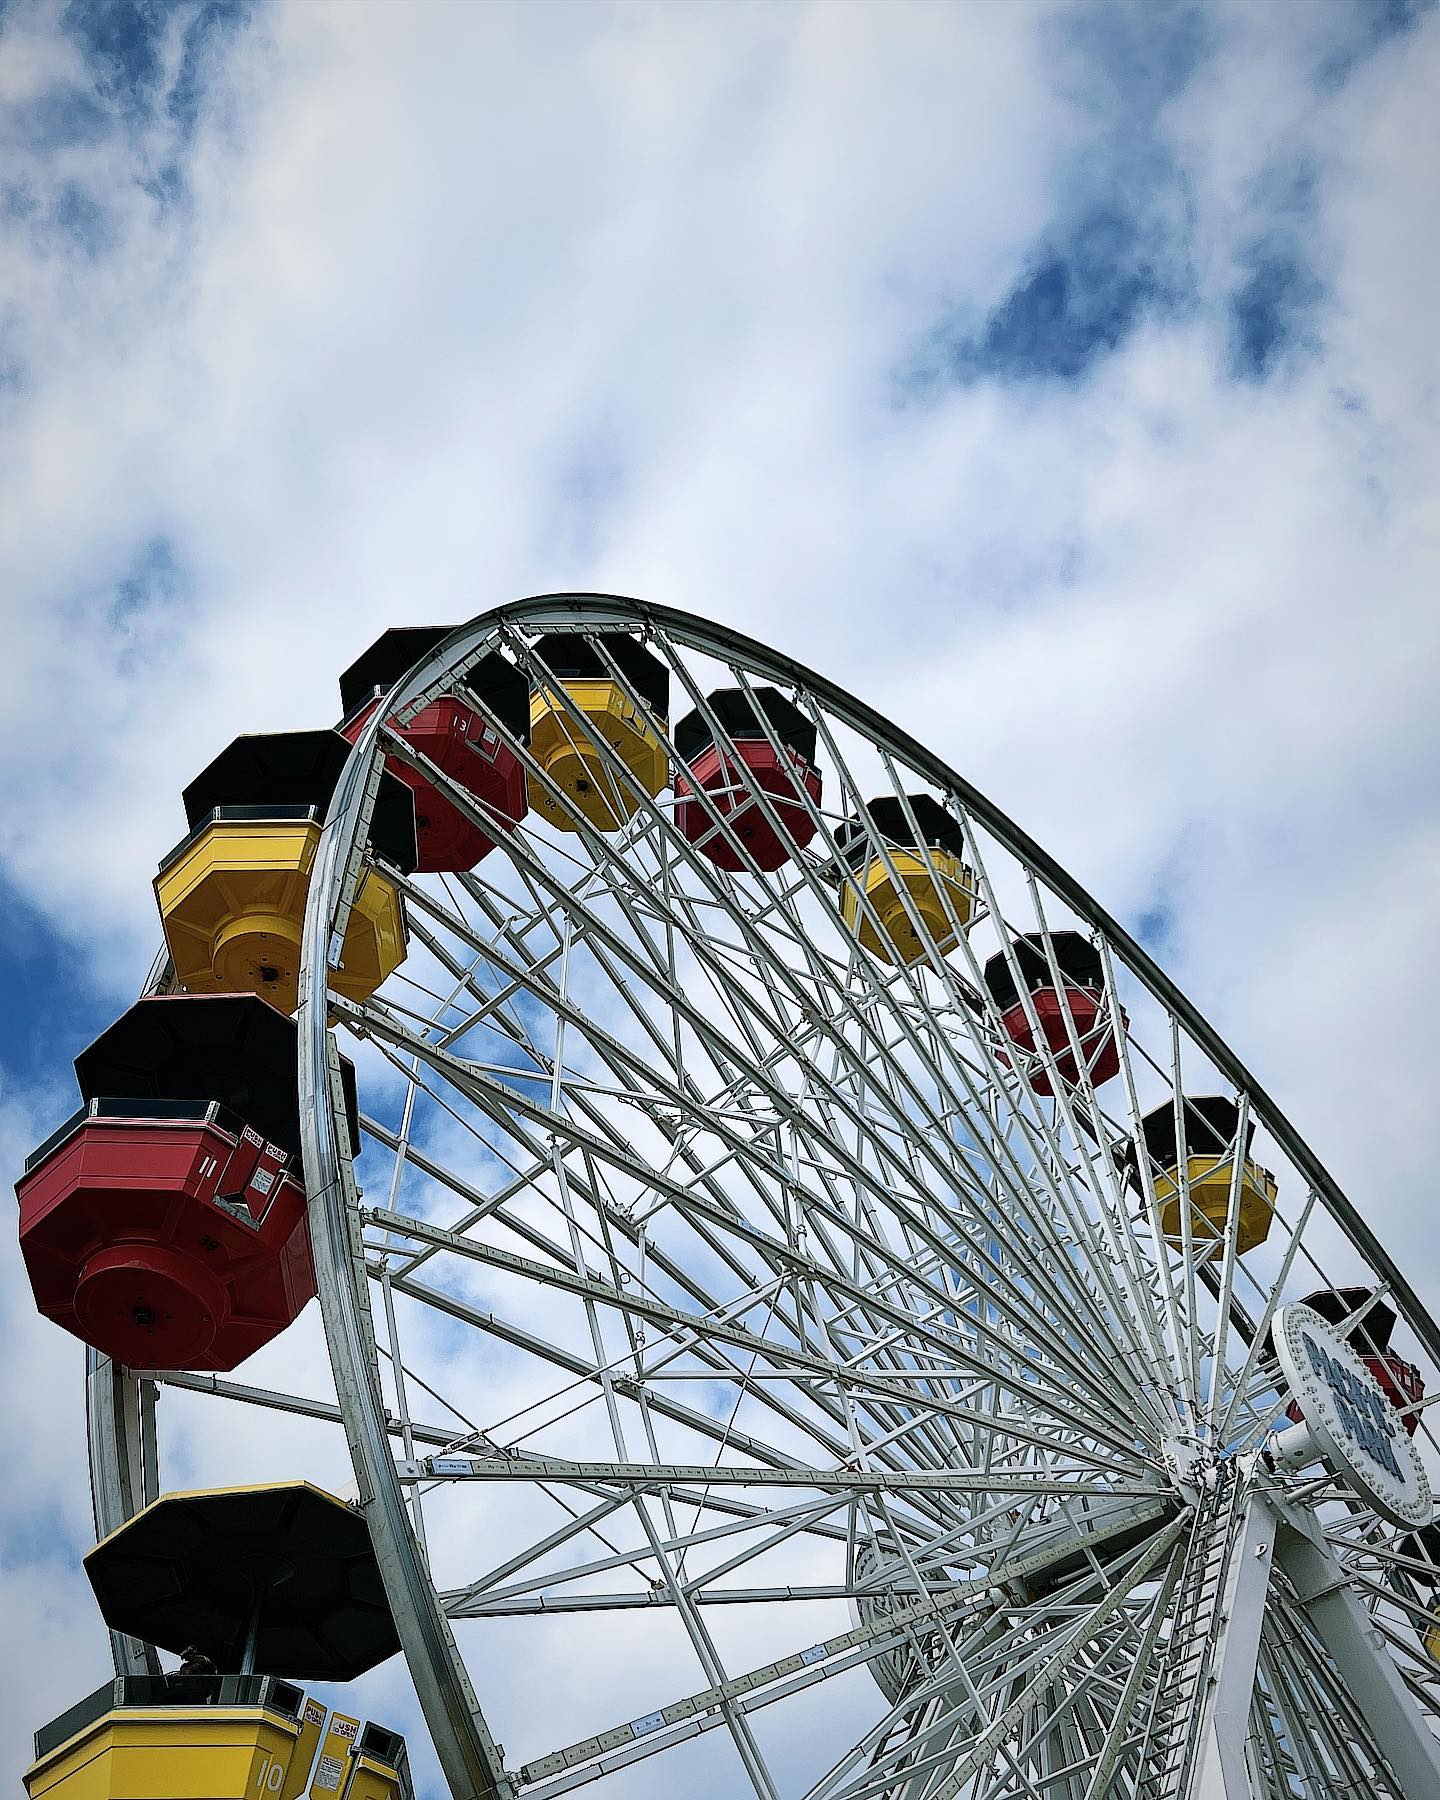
(1077, 958)
(1421, 1544)
(236, 1049)
(501, 688)
(739, 715)
(1371, 1337)
(376, 670)
(1210, 1122)
(195, 1568)
(571, 657)
(300, 768)
(937, 829)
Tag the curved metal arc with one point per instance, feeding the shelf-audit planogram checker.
(119, 1409)
(471, 1762)
(468, 1754)
(600, 610)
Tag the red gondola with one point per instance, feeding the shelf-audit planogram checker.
(786, 774)
(455, 737)
(164, 1223)
(1082, 995)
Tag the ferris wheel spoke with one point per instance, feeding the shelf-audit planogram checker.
(701, 1328)
(707, 1330)
(1315, 1708)
(592, 1758)
(1070, 1643)
(1083, 1184)
(505, 1104)
(596, 930)
(494, 1585)
(841, 1480)
(276, 1400)
(1239, 1384)
(677, 1097)
(1054, 1718)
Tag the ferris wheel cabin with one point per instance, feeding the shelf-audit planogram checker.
(1081, 995)
(1211, 1128)
(250, 1580)
(590, 738)
(460, 739)
(919, 877)
(164, 1223)
(728, 767)
(232, 893)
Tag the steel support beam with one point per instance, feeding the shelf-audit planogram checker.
(1365, 1667)
(120, 1421)
(1221, 1771)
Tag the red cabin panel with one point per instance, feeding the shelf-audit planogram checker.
(1097, 1038)
(785, 776)
(166, 1245)
(1400, 1382)
(457, 740)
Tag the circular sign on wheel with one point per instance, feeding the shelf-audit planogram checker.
(1355, 1426)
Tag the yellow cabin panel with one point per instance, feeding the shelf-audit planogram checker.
(1209, 1178)
(297, 1775)
(568, 752)
(898, 940)
(233, 909)
(332, 1767)
(170, 1753)
(371, 1779)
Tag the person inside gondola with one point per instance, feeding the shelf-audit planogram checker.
(201, 1679)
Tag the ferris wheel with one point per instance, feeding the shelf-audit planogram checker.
(775, 1230)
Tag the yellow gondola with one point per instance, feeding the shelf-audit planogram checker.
(212, 1737)
(232, 894)
(928, 873)
(1211, 1124)
(143, 1737)
(572, 751)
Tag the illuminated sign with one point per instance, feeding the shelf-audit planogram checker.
(1354, 1426)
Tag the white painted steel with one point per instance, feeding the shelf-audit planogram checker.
(731, 1276)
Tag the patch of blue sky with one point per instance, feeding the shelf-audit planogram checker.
(204, 38)
(1272, 312)
(1129, 59)
(1085, 291)
(1358, 29)
(81, 219)
(1117, 252)
(1154, 928)
(123, 44)
(151, 65)
(1273, 306)
(586, 491)
(40, 1535)
(140, 610)
(60, 120)
(51, 1008)
(130, 48)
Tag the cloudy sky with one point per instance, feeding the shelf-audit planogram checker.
(1062, 378)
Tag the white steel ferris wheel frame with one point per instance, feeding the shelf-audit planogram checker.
(1329, 1694)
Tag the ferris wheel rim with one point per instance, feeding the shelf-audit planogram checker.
(463, 1739)
(338, 844)
(621, 612)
